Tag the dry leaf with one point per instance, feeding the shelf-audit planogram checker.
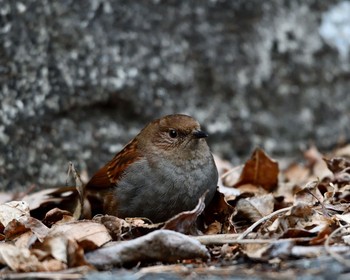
(220, 211)
(37, 227)
(260, 170)
(338, 164)
(185, 222)
(297, 174)
(214, 228)
(115, 226)
(83, 232)
(56, 215)
(19, 259)
(55, 246)
(13, 210)
(43, 201)
(80, 187)
(309, 195)
(76, 255)
(254, 208)
(14, 229)
(317, 163)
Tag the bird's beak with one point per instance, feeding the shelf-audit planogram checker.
(199, 134)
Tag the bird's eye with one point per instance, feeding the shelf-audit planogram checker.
(172, 133)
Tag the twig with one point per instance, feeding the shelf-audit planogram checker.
(223, 176)
(220, 239)
(308, 189)
(334, 254)
(262, 220)
(70, 273)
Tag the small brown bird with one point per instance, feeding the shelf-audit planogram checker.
(163, 171)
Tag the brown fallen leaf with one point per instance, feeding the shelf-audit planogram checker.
(19, 259)
(317, 164)
(115, 226)
(84, 232)
(340, 167)
(218, 211)
(309, 195)
(14, 229)
(297, 174)
(62, 248)
(55, 246)
(43, 201)
(338, 164)
(76, 255)
(56, 215)
(185, 222)
(160, 245)
(327, 226)
(260, 170)
(37, 227)
(255, 208)
(17, 227)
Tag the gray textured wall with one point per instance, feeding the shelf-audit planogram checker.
(79, 78)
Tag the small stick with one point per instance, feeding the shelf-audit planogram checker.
(262, 220)
(220, 239)
(223, 176)
(334, 254)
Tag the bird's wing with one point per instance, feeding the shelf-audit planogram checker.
(110, 174)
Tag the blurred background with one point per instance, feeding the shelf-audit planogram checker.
(78, 79)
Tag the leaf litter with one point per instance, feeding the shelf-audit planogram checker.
(261, 214)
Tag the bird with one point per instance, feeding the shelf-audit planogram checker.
(163, 171)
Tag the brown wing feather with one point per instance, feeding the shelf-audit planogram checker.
(109, 174)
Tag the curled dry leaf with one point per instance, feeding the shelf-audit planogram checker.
(218, 210)
(160, 245)
(309, 195)
(14, 229)
(37, 227)
(115, 226)
(260, 170)
(252, 209)
(17, 227)
(13, 210)
(184, 222)
(80, 187)
(326, 227)
(338, 164)
(43, 201)
(58, 216)
(341, 169)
